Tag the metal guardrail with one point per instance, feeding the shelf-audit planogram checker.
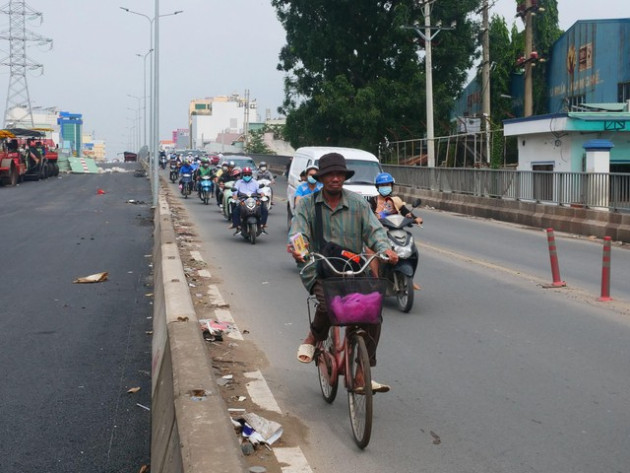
(590, 190)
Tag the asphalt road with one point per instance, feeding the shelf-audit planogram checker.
(69, 352)
(510, 377)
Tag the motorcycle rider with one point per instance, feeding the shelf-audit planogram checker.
(264, 172)
(311, 185)
(248, 185)
(385, 203)
(204, 170)
(187, 168)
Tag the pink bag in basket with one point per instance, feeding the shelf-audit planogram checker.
(356, 308)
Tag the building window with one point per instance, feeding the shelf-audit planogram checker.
(623, 94)
(200, 106)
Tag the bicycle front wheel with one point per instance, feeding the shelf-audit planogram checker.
(360, 390)
(327, 367)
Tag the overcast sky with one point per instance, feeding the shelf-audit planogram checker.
(215, 47)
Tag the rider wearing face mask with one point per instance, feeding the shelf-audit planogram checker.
(311, 185)
(385, 203)
(247, 185)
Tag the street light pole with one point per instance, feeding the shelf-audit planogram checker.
(156, 101)
(144, 95)
(153, 140)
(427, 36)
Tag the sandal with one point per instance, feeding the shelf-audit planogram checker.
(376, 388)
(305, 353)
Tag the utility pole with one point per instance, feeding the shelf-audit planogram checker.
(18, 112)
(427, 36)
(246, 122)
(428, 62)
(485, 77)
(528, 107)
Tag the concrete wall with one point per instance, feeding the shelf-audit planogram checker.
(580, 221)
(190, 433)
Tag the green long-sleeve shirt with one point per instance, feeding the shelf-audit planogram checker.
(351, 225)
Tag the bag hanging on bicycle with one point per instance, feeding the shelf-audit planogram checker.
(341, 258)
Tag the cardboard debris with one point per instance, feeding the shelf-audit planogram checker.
(98, 277)
(259, 429)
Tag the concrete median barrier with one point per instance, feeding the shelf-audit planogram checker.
(190, 427)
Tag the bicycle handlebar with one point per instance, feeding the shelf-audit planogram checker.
(318, 256)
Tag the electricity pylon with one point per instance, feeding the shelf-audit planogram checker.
(18, 112)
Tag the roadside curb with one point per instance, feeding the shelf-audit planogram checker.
(190, 429)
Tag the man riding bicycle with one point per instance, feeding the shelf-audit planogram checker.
(348, 221)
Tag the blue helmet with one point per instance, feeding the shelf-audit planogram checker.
(383, 178)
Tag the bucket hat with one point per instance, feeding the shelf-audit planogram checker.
(333, 162)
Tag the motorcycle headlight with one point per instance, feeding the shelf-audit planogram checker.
(404, 251)
(250, 203)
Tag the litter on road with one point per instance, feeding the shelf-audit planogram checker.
(92, 278)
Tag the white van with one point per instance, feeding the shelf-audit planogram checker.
(365, 166)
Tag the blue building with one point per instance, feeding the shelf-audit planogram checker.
(590, 63)
(588, 99)
(70, 125)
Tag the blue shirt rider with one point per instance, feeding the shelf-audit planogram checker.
(248, 185)
(310, 186)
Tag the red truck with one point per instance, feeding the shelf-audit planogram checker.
(16, 160)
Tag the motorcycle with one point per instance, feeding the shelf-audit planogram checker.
(399, 277)
(266, 190)
(186, 185)
(173, 175)
(205, 189)
(163, 162)
(228, 200)
(250, 207)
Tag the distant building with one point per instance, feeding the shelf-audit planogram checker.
(70, 132)
(589, 64)
(222, 114)
(588, 95)
(92, 148)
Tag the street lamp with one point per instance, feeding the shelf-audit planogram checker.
(154, 122)
(428, 36)
(144, 85)
(136, 120)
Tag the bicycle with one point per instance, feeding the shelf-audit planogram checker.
(352, 302)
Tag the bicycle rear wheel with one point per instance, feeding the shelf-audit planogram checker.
(326, 367)
(360, 396)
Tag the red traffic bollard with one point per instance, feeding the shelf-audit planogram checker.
(553, 257)
(605, 296)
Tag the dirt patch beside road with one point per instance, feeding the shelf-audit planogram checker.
(230, 357)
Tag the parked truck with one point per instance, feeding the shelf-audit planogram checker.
(26, 154)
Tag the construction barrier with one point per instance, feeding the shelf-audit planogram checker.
(553, 257)
(605, 293)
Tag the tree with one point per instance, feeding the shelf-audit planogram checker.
(354, 75)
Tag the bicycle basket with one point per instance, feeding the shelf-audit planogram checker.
(352, 301)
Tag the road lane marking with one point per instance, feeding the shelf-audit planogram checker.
(294, 458)
(196, 256)
(259, 392)
(224, 315)
(618, 306)
(204, 273)
(216, 299)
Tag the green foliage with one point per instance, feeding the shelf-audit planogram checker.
(256, 143)
(354, 75)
